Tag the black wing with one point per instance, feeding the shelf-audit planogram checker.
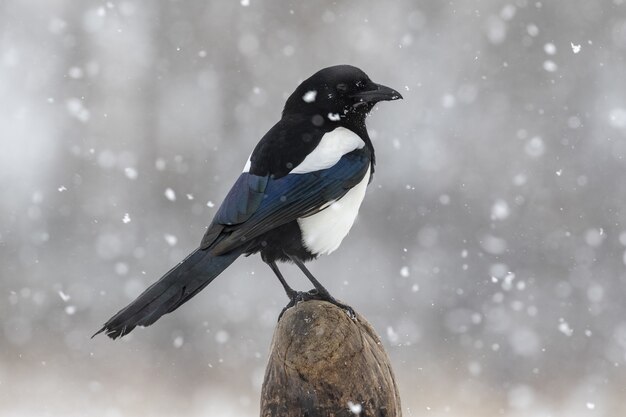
(256, 204)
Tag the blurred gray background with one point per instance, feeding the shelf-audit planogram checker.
(489, 253)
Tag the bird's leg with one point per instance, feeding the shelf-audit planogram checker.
(322, 293)
(294, 296)
(291, 293)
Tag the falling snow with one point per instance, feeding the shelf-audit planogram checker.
(178, 342)
(500, 210)
(549, 48)
(170, 239)
(565, 328)
(131, 173)
(170, 194)
(532, 30)
(309, 96)
(491, 241)
(535, 147)
(550, 65)
(617, 118)
(77, 109)
(355, 408)
(222, 337)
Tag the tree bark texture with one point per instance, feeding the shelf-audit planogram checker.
(325, 364)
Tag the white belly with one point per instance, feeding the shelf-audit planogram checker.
(323, 232)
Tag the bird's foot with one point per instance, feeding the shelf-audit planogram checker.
(314, 294)
(298, 296)
(345, 307)
(325, 296)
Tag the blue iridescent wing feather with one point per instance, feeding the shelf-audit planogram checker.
(258, 204)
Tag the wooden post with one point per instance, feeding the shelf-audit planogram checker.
(324, 364)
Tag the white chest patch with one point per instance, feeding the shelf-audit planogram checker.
(323, 232)
(329, 151)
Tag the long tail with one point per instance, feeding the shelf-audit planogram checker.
(173, 289)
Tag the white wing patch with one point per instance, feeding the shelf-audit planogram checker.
(329, 151)
(323, 232)
(246, 168)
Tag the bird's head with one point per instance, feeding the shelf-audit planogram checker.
(337, 94)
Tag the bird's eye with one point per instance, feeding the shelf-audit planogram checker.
(342, 87)
(359, 84)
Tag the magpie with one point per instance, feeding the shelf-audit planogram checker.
(296, 199)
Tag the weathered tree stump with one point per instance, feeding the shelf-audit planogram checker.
(324, 364)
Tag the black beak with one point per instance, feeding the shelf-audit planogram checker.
(378, 93)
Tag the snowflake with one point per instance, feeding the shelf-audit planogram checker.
(309, 96)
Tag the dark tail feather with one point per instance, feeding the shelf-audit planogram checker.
(174, 289)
